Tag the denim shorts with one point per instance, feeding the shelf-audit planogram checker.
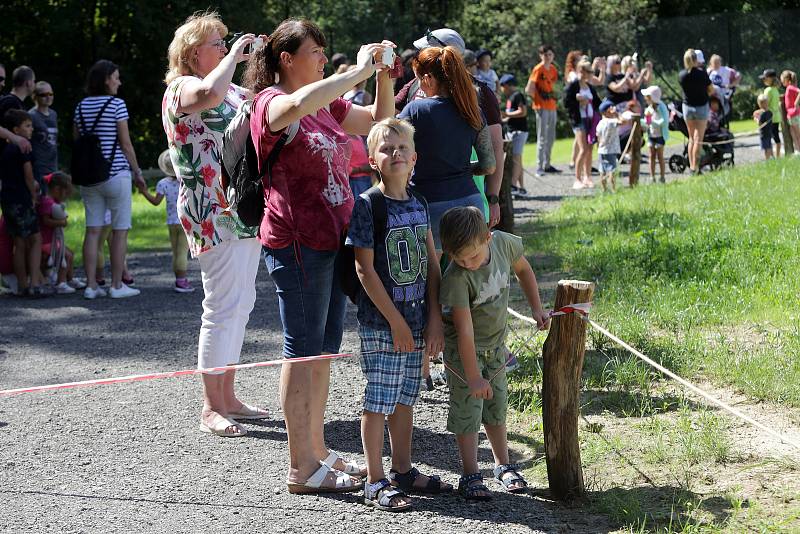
(392, 377)
(518, 140)
(655, 142)
(311, 302)
(437, 209)
(609, 162)
(695, 113)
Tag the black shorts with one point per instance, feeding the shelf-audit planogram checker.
(776, 133)
(766, 139)
(21, 219)
(655, 142)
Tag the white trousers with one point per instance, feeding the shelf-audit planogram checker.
(229, 282)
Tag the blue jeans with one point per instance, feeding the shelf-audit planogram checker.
(312, 304)
(437, 209)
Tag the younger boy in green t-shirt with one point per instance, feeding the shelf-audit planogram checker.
(474, 295)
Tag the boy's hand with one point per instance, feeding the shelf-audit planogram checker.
(480, 388)
(434, 337)
(542, 319)
(402, 337)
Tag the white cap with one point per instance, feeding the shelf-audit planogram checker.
(441, 38)
(654, 92)
(701, 59)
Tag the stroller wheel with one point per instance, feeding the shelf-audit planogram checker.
(677, 164)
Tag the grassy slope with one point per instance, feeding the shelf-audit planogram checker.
(700, 273)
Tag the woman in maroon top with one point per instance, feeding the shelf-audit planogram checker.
(308, 206)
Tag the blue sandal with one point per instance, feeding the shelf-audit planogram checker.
(405, 481)
(380, 495)
(509, 481)
(471, 491)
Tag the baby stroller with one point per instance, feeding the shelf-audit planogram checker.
(717, 150)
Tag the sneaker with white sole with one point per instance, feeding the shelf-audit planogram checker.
(64, 289)
(182, 285)
(92, 294)
(123, 291)
(77, 283)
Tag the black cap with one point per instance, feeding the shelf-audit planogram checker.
(482, 52)
(768, 73)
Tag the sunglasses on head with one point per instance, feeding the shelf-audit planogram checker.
(431, 38)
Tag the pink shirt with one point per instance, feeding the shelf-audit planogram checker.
(45, 209)
(359, 157)
(310, 201)
(789, 98)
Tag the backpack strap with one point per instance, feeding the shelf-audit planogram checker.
(379, 217)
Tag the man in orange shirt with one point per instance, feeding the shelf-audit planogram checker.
(540, 88)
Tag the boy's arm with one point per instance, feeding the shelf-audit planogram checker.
(527, 281)
(530, 87)
(23, 144)
(479, 387)
(401, 333)
(27, 169)
(434, 331)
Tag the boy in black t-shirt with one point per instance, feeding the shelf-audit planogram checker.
(515, 116)
(18, 197)
(763, 116)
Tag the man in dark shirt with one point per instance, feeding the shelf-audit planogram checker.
(515, 116)
(23, 82)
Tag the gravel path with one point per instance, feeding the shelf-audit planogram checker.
(129, 458)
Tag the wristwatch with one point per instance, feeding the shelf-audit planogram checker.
(493, 199)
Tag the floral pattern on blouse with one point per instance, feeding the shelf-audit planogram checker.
(195, 148)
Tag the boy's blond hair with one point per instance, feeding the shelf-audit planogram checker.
(461, 227)
(762, 98)
(382, 129)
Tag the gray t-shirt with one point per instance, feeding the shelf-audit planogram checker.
(44, 143)
(484, 291)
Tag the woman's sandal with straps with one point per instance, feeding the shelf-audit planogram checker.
(381, 494)
(316, 482)
(471, 491)
(405, 481)
(508, 475)
(350, 468)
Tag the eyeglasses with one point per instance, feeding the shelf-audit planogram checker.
(431, 38)
(219, 43)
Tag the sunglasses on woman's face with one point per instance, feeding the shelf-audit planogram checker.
(45, 94)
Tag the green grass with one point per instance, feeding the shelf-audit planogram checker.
(149, 230)
(562, 148)
(701, 274)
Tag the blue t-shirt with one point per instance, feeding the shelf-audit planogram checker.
(444, 143)
(401, 260)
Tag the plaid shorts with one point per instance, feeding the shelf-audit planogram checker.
(392, 377)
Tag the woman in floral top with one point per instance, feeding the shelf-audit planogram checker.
(198, 104)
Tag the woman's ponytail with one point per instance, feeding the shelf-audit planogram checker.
(460, 86)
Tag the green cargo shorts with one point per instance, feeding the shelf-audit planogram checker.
(466, 412)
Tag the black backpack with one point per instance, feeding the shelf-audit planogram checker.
(346, 258)
(89, 166)
(242, 177)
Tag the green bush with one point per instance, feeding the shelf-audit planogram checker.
(744, 103)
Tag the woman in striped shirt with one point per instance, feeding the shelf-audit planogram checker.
(109, 113)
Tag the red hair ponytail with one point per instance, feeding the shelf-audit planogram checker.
(446, 65)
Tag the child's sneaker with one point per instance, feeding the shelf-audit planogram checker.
(64, 289)
(77, 283)
(92, 294)
(182, 285)
(123, 291)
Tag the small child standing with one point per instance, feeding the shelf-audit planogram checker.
(486, 73)
(168, 188)
(791, 101)
(18, 198)
(656, 120)
(53, 219)
(397, 311)
(608, 145)
(474, 296)
(770, 79)
(763, 116)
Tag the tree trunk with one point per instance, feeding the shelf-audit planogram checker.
(563, 362)
(506, 223)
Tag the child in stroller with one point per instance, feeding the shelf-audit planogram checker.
(717, 142)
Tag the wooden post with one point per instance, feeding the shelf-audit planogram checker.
(788, 144)
(636, 153)
(563, 362)
(506, 223)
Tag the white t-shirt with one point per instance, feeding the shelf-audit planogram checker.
(169, 187)
(489, 77)
(608, 136)
(587, 111)
(722, 77)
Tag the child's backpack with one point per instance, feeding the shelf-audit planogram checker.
(89, 166)
(242, 179)
(346, 258)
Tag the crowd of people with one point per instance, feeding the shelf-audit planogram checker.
(408, 179)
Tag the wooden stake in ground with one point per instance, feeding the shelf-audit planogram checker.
(563, 362)
(506, 223)
(636, 153)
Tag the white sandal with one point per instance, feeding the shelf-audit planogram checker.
(344, 482)
(350, 468)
